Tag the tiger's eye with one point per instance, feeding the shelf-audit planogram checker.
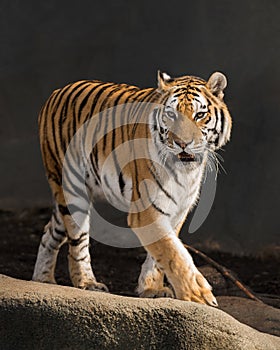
(200, 115)
(171, 115)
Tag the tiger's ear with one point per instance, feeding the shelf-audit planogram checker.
(163, 80)
(217, 83)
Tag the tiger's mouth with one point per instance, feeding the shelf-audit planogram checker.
(186, 157)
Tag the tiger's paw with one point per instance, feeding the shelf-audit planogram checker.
(163, 292)
(94, 286)
(199, 291)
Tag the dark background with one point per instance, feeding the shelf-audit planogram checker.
(45, 45)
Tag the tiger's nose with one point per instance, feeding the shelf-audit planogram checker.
(181, 143)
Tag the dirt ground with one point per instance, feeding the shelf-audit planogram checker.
(118, 268)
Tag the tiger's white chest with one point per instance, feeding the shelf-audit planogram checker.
(182, 186)
(185, 196)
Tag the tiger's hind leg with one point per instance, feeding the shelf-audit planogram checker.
(79, 260)
(54, 237)
(150, 282)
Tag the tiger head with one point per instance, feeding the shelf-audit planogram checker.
(194, 116)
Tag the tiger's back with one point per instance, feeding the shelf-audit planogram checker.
(69, 108)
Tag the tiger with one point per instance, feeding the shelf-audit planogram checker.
(187, 121)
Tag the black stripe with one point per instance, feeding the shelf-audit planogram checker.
(67, 162)
(84, 246)
(131, 100)
(194, 88)
(97, 96)
(114, 104)
(59, 99)
(85, 101)
(56, 148)
(136, 186)
(53, 177)
(159, 209)
(115, 158)
(52, 247)
(150, 96)
(62, 92)
(121, 182)
(160, 186)
(195, 99)
(153, 204)
(109, 187)
(107, 98)
(222, 121)
(59, 232)
(179, 92)
(77, 191)
(216, 142)
(71, 127)
(136, 178)
(125, 112)
(57, 165)
(214, 130)
(207, 121)
(95, 154)
(55, 217)
(67, 104)
(72, 122)
(77, 241)
(63, 210)
(217, 117)
(94, 163)
(136, 112)
(81, 259)
(54, 238)
(195, 95)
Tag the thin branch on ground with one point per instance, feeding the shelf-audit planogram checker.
(224, 271)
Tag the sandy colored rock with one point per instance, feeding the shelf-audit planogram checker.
(260, 316)
(40, 316)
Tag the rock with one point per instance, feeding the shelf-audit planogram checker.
(270, 299)
(41, 316)
(260, 316)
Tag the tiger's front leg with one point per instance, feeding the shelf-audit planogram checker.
(176, 262)
(173, 259)
(151, 279)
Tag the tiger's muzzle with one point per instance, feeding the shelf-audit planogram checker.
(184, 155)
